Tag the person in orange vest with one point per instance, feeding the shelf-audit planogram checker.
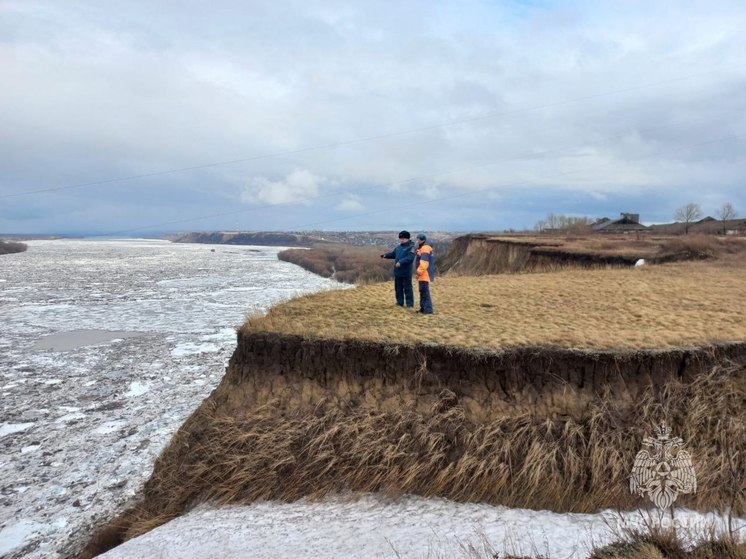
(425, 265)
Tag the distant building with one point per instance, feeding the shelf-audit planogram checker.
(627, 222)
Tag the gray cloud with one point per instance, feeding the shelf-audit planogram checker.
(511, 111)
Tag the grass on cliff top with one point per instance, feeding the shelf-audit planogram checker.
(660, 306)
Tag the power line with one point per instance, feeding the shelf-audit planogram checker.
(469, 193)
(413, 179)
(363, 139)
(532, 155)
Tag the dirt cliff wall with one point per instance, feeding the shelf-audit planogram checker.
(293, 373)
(526, 427)
(481, 254)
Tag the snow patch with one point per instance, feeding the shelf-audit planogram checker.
(109, 427)
(189, 348)
(10, 428)
(376, 527)
(137, 389)
(14, 536)
(74, 416)
(30, 448)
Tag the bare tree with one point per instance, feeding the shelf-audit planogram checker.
(726, 212)
(688, 214)
(562, 222)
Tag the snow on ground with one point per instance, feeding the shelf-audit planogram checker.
(373, 527)
(106, 347)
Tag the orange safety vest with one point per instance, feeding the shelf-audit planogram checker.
(424, 256)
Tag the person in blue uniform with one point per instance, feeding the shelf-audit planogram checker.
(403, 256)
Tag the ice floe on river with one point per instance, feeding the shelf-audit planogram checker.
(106, 348)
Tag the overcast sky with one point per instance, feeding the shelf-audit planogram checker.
(283, 115)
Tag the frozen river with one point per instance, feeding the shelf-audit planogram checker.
(106, 347)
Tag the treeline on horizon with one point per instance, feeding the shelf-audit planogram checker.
(9, 247)
(686, 215)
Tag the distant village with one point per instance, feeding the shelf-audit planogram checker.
(688, 220)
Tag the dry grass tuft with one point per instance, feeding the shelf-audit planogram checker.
(650, 307)
(666, 544)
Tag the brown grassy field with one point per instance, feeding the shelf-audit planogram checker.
(657, 306)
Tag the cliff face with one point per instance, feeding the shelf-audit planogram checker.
(481, 254)
(540, 428)
(292, 373)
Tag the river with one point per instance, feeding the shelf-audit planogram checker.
(106, 347)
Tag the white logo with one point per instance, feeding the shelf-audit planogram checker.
(663, 470)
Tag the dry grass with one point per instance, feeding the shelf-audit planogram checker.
(566, 463)
(347, 264)
(666, 544)
(658, 306)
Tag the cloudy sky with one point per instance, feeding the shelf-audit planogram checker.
(138, 116)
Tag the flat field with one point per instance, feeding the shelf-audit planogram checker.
(652, 306)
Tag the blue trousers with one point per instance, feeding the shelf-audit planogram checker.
(403, 290)
(426, 303)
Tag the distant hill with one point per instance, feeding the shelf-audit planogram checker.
(235, 238)
(302, 239)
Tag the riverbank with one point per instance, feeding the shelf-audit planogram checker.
(11, 247)
(329, 395)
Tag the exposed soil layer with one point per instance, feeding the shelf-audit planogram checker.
(526, 427)
(481, 254)
(294, 372)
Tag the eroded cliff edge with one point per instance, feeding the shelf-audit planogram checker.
(534, 427)
(293, 372)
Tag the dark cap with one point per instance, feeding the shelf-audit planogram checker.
(404, 235)
(421, 236)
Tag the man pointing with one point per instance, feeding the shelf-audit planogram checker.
(404, 256)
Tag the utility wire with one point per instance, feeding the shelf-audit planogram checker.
(528, 156)
(413, 179)
(514, 185)
(363, 139)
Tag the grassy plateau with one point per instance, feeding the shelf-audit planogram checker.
(659, 306)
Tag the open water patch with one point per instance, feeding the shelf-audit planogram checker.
(65, 341)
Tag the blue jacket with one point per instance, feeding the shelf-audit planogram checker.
(404, 255)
